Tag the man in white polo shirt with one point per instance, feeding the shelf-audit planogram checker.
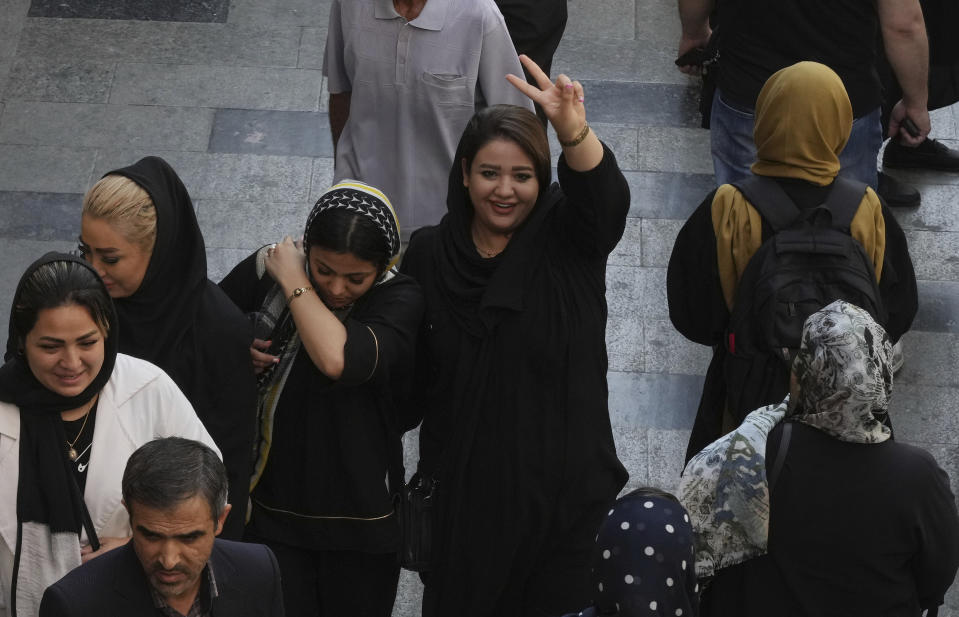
(404, 77)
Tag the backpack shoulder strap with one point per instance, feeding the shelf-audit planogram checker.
(773, 476)
(843, 201)
(770, 200)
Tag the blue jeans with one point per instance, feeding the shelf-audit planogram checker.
(731, 141)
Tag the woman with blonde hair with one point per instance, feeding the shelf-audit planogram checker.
(140, 233)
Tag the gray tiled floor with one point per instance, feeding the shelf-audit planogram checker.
(239, 109)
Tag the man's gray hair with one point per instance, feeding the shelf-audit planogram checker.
(164, 472)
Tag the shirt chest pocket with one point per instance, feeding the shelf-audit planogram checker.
(447, 89)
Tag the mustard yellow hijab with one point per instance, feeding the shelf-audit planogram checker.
(803, 119)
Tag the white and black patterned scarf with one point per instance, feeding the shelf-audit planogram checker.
(845, 381)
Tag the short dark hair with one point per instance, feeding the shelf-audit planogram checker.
(164, 472)
(342, 231)
(512, 123)
(55, 284)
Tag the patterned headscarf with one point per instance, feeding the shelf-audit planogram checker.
(844, 368)
(643, 560)
(845, 381)
(365, 200)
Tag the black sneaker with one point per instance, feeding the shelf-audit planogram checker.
(896, 194)
(930, 154)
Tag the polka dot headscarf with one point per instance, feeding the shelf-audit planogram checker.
(643, 563)
(365, 200)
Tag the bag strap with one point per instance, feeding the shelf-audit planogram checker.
(843, 201)
(780, 456)
(770, 200)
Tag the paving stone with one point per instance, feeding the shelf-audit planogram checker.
(632, 448)
(629, 250)
(65, 82)
(653, 400)
(931, 359)
(69, 40)
(40, 216)
(18, 254)
(935, 255)
(324, 97)
(924, 413)
(262, 222)
(302, 12)
(601, 19)
(944, 125)
(216, 86)
(409, 595)
(937, 212)
(668, 351)
(162, 128)
(659, 105)
(143, 10)
(299, 133)
(624, 344)
(658, 25)
(938, 307)
(620, 139)
(411, 451)
(323, 179)
(219, 262)
(239, 177)
(667, 195)
(44, 168)
(312, 48)
(619, 60)
(636, 293)
(675, 149)
(659, 236)
(667, 454)
(14, 14)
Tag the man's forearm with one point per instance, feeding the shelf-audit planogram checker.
(904, 39)
(694, 17)
(339, 114)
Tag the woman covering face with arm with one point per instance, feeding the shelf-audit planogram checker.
(511, 378)
(140, 232)
(71, 411)
(334, 349)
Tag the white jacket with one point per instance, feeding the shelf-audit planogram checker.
(138, 404)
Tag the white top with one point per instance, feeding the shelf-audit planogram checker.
(138, 404)
(415, 85)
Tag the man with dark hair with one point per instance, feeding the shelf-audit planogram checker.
(175, 491)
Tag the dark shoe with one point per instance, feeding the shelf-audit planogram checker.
(896, 194)
(930, 154)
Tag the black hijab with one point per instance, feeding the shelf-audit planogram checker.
(477, 289)
(47, 493)
(158, 319)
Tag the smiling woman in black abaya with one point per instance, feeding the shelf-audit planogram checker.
(511, 366)
(139, 231)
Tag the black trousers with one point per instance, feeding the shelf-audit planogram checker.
(335, 583)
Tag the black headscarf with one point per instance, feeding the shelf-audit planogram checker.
(158, 319)
(478, 289)
(47, 492)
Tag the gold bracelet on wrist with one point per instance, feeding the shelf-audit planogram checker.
(299, 291)
(576, 140)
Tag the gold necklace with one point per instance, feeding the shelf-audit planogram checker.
(72, 453)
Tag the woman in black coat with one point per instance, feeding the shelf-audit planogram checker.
(139, 231)
(511, 367)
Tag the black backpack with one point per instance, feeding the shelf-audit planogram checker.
(809, 261)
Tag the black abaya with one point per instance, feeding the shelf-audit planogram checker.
(511, 377)
(181, 321)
